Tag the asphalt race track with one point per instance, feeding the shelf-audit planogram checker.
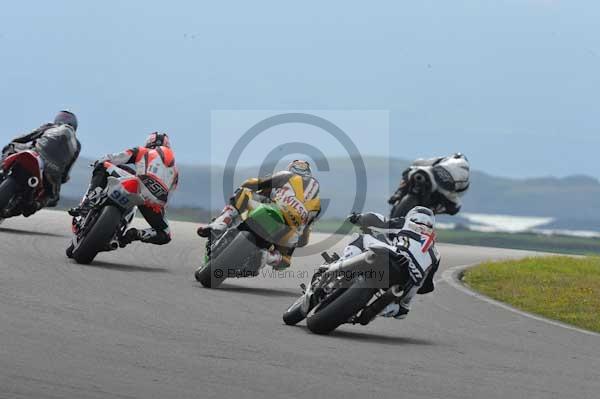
(135, 324)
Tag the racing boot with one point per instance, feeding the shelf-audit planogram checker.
(395, 310)
(219, 224)
(87, 202)
(275, 259)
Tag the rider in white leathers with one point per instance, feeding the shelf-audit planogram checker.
(448, 178)
(414, 238)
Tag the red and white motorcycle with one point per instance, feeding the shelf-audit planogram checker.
(22, 184)
(103, 227)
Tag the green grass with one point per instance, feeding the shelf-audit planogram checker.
(527, 241)
(557, 287)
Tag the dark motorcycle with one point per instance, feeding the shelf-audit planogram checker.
(417, 191)
(22, 185)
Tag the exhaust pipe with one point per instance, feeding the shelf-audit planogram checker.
(33, 182)
(364, 259)
(113, 245)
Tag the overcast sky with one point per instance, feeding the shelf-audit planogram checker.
(514, 84)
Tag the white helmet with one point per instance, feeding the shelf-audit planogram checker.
(420, 220)
(452, 173)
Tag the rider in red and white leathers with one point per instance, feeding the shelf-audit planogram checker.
(154, 165)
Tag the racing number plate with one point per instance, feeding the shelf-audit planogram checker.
(156, 188)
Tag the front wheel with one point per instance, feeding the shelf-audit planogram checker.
(98, 236)
(294, 314)
(208, 276)
(7, 192)
(401, 207)
(227, 261)
(341, 309)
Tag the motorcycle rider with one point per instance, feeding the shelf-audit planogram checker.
(155, 165)
(57, 145)
(295, 191)
(450, 177)
(414, 238)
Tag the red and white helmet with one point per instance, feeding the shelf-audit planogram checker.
(157, 139)
(420, 220)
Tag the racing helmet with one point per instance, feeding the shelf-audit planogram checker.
(300, 167)
(157, 139)
(453, 173)
(420, 220)
(66, 118)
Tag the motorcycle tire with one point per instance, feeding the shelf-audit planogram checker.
(326, 319)
(7, 191)
(98, 236)
(294, 314)
(215, 271)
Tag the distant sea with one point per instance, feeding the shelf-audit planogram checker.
(512, 224)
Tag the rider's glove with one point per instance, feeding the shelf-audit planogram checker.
(251, 183)
(354, 218)
(98, 164)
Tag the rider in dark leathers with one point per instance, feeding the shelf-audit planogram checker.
(57, 145)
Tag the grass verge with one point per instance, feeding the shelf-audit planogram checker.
(557, 287)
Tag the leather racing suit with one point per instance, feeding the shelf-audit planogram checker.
(298, 199)
(421, 256)
(58, 147)
(450, 180)
(157, 171)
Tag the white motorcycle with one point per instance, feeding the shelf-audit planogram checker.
(103, 227)
(353, 290)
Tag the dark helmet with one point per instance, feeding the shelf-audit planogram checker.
(157, 139)
(66, 118)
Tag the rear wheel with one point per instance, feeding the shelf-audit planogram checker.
(98, 236)
(340, 310)
(7, 192)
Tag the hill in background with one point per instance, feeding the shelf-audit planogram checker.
(573, 202)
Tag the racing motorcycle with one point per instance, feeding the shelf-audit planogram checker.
(22, 183)
(103, 227)
(425, 180)
(353, 290)
(421, 185)
(237, 251)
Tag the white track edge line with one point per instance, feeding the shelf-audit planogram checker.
(450, 276)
